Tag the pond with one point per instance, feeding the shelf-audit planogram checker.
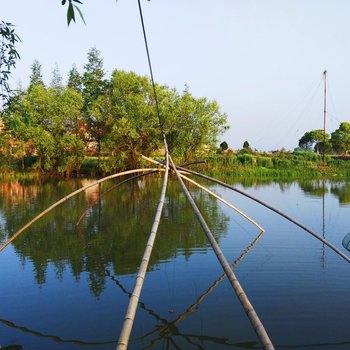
(66, 282)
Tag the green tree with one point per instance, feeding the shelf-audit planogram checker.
(8, 57)
(56, 78)
(135, 124)
(340, 138)
(223, 146)
(193, 125)
(36, 77)
(95, 94)
(43, 121)
(314, 140)
(93, 80)
(246, 148)
(74, 79)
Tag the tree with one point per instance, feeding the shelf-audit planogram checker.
(246, 148)
(94, 88)
(340, 138)
(135, 124)
(314, 140)
(192, 126)
(36, 77)
(74, 79)
(8, 56)
(46, 123)
(93, 81)
(56, 78)
(224, 146)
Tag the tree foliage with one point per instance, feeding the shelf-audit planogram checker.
(53, 127)
(8, 56)
(314, 140)
(340, 138)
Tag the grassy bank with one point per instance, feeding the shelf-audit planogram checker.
(279, 164)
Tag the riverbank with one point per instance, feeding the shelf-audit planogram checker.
(279, 164)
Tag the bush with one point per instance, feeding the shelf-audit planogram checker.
(264, 162)
(246, 159)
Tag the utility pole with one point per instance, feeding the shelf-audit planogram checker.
(324, 114)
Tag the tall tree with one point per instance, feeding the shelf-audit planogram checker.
(56, 78)
(36, 77)
(74, 79)
(94, 87)
(93, 81)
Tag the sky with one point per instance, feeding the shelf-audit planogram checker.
(261, 60)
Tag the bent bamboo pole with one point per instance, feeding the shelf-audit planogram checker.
(295, 222)
(223, 201)
(31, 222)
(242, 297)
(109, 190)
(135, 296)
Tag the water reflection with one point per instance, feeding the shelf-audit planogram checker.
(117, 224)
(112, 234)
(340, 189)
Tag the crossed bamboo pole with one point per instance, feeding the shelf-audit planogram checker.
(211, 193)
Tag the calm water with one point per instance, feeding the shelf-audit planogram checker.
(65, 286)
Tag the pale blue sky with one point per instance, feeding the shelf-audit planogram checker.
(262, 60)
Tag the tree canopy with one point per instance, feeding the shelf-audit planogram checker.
(340, 138)
(338, 142)
(313, 140)
(51, 128)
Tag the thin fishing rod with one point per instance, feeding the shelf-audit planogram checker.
(151, 72)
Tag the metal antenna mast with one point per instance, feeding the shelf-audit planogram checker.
(324, 114)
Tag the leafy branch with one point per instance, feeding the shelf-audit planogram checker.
(8, 56)
(72, 7)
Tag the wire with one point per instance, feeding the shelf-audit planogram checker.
(150, 68)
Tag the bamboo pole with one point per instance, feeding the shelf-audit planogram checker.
(158, 162)
(242, 297)
(109, 190)
(31, 222)
(213, 194)
(135, 296)
(223, 201)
